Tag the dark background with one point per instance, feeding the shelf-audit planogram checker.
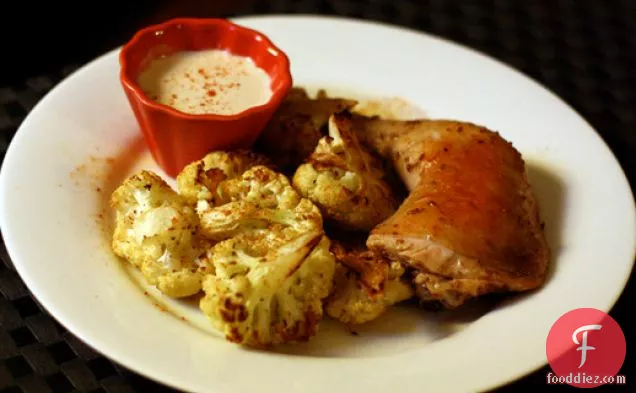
(584, 51)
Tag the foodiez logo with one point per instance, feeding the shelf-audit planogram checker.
(585, 348)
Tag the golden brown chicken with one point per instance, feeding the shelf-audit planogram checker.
(470, 224)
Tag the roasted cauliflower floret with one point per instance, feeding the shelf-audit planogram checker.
(295, 129)
(345, 180)
(257, 199)
(350, 250)
(353, 303)
(263, 187)
(234, 218)
(263, 299)
(366, 283)
(200, 179)
(156, 231)
(272, 261)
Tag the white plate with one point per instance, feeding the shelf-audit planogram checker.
(81, 140)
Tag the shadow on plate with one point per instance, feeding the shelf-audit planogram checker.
(550, 192)
(403, 328)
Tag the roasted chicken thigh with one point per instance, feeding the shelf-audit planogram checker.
(470, 224)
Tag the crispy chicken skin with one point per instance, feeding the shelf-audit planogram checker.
(470, 224)
(297, 126)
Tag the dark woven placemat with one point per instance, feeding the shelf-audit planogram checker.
(584, 51)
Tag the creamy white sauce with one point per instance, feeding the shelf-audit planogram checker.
(206, 82)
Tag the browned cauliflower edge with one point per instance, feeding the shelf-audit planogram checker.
(273, 266)
(262, 301)
(352, 301)
(346, 181)
(200, 179)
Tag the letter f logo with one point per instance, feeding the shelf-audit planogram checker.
(584, 347)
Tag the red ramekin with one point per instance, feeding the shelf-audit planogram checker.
(175, 138)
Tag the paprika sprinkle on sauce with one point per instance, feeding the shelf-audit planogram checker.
(208, 81)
